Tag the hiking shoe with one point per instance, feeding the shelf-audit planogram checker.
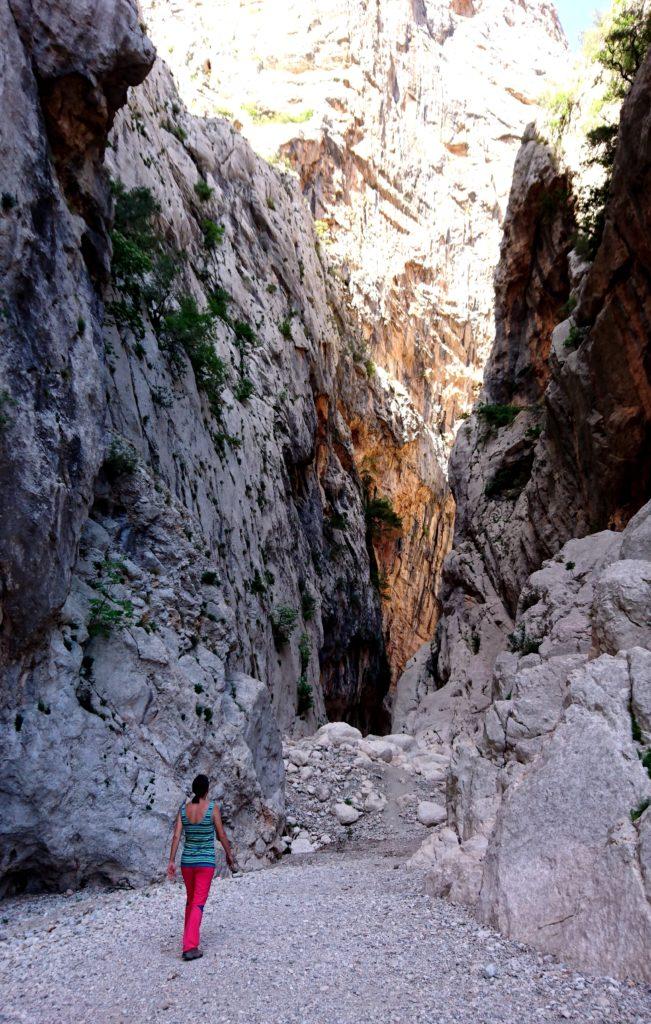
(192, 954)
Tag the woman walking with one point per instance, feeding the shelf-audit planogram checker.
(198, 821)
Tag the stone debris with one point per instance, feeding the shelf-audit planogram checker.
(341, 939)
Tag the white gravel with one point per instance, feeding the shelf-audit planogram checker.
(335, 939)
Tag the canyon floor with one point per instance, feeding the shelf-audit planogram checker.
(327, 938)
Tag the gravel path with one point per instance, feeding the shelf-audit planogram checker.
(335, 939)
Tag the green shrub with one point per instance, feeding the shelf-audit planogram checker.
(283, 623)
(381, 517)
(213, 234)
(575, 336)
(43, 707)
(621, 50)
(6, 403)
(521, 643)
(18, 722)
(304, 698)
(244, 389)
(646, 762)
(209, 577)
(143, 269)
(121, 459)
(8, 202)
(305, 651)
(371, 369)
(569, 566)
(638, 811)
(263, 115)
(308, 605)
(244, 333)
(176, 130)
(560, 105)
(190, 330)
(108, 612)
(285, 328)
(218, 301)
(497, 415)
(339, 521)
(258, 585)
(203, 190)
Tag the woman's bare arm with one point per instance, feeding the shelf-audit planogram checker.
(176, 838)
(223, 838)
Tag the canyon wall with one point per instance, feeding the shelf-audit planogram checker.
(184, 551)
(401, 121)
(540, 669)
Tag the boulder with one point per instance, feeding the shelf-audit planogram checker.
(430, 814)
(346, 814)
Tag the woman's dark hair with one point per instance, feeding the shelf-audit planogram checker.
(200, 788)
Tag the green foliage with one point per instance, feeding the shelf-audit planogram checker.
(243, 389)
(43, 707)
(533, 433)
(371, 369)
(6, 403)
(203, 190)
(18, 722)
(258, 585)
(569, 566)
(638, 811)
(142, 267)
(620, 46)
(304, 698)
(285, 328)
(575, 336)
(81, 325)
(8, 202)
(209, 577)
(263, 115)
(308, 604)
(559, 105)
(497, 415)
(305, 651)
(244, 333)
(625, 45)
(176, 130)
(108, 612)
(646, 762)
(522, 643)
(636, 732)
(121, 459)
(218, 301)
(283, 623)
(213, 234)
(381, 518)
(190, 330)
(474, 643)
(339, 521)
(568, 307)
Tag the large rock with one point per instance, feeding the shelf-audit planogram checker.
(562, 870)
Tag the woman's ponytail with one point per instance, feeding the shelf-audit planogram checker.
(200, 787)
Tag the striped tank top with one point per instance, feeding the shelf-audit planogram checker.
(198, 840)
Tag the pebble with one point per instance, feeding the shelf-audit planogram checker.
(340, 939)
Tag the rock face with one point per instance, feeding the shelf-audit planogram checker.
(184, 545)
(542, 662)
(402, 121)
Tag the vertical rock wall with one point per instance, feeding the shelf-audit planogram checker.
(402, 121)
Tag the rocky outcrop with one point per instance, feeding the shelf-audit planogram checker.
(185, 562)
(402, 121)
(542, 658)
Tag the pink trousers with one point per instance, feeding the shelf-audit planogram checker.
(197, 885)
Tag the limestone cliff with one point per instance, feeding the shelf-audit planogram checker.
(184, 547)
(401, 121)
(540, 666)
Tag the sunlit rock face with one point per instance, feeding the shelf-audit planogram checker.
(402, 121)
